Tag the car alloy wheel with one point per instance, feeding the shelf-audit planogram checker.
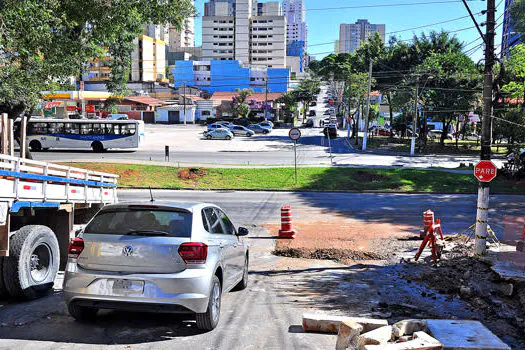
(216, 302)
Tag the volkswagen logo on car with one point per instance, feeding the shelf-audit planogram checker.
(127, 250)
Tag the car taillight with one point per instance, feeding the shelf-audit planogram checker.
(193, 252)
(76, 246)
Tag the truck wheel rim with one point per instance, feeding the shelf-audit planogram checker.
(40, 262)
(215, 302)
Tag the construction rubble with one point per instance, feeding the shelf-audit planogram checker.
(358, 333)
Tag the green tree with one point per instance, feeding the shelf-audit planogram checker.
(515, 71)
(239, 106)
(454, 87)
(305, 92)
(335, 70)
(45, 42)
(288, 103)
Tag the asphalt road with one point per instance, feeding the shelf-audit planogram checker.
(265, 316)
(312, 149)
(455, 210)
(339, 154)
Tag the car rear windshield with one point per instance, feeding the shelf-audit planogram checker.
(124, 221)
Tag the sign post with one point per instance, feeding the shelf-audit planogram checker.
(295, 134)
(485, 171)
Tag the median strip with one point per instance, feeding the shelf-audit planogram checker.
(393, 180)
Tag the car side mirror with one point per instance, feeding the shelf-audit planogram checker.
(243, 231)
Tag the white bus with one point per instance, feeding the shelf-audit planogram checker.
(98, 135)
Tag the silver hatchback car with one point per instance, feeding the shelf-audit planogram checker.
(151, 257)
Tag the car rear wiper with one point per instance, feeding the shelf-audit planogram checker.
(147, 233)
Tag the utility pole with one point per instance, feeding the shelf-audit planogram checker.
(184, 102)
(4, 140)
(82, 100)
(23, 136)
(480, 242)
(266, 100)
(367, 104)
(414, 122)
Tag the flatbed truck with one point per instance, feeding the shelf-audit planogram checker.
(39, 204)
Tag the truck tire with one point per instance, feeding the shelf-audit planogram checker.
(32, 265)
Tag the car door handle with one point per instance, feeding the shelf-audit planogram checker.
(222, 245)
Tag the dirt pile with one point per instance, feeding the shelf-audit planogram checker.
(460, 275)
(191, 173)
(340, 255)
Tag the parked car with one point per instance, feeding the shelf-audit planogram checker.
(242, 122)
(436, 135)
(228, 125)
(266, 124)
(313, 104)
(471, 137)
(169, 257)
(309, 123)
(117, 117)
(381, 131)
(238, 130)
(219, 134)
(330, 131)
(216, 126)
(312, 113)
(258, 129)
(327, 112)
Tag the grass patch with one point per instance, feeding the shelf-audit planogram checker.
(312, 179)
(466, 147)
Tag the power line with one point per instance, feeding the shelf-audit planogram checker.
(508, 121)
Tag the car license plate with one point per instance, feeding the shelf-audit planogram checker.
(127, 286)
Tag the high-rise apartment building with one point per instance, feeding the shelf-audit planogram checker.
(244, 30)
(509, 37)
(295, 13)
(178, 40)
(352, 35)
(148, 60)
(296, 34)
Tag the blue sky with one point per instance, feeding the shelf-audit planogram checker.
(323, 25)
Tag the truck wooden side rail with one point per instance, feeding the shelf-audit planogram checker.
(39, 203)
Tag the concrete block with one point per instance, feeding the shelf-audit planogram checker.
(322, 323)
(347, 337)
(408, 327)
(427, 338)
(464, 335)
(330, 324)
(415, 344)
(369, 324)
(377, 336)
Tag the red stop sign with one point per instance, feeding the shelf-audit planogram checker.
(485, 171)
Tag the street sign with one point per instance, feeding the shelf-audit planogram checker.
(485, 171)
(294, 134)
